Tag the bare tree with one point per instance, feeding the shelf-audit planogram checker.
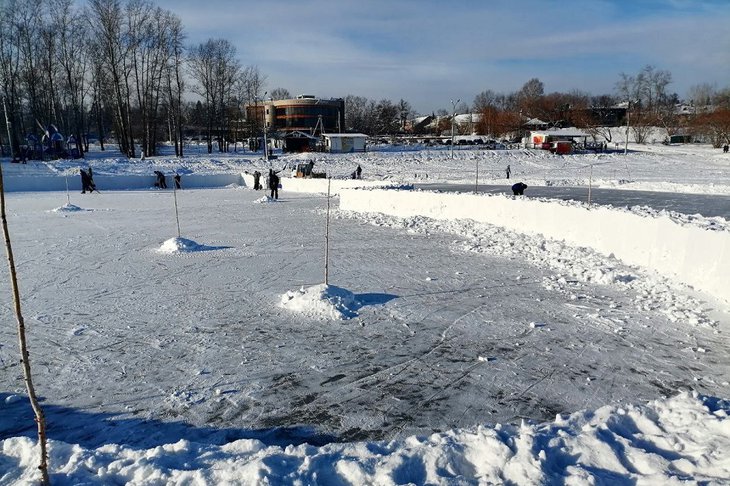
(485, 99)
(22, 341)
(175, 82)
(109, 42)
(528, 97)
(216, 71)
(10, 68)
(252, 84)
(280, 94)
(648, 102)
(701, 95)
(73, 64)
(405, 111)
(714, 122)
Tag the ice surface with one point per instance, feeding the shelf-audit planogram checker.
(158, 367)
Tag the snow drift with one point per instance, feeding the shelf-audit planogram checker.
(663, 442)
(657, 242)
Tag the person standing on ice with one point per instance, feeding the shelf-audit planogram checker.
(176, 178)
(84, 181)
(161, 182)
(508, 171)
(358, 171)
(256, 180)
(274, 184)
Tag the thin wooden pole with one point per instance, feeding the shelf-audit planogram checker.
(24, 355)
(590, 184)
(476, 181)
(68, 197)
(177, 216)
(327, 236)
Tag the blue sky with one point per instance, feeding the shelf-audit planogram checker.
(428, 52)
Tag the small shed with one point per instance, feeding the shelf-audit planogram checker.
(343, 143)
(298, 141)
(545, 138)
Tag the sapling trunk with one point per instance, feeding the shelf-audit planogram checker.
(24, 357)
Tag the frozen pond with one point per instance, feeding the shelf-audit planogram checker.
(704, 204)
(129, 344)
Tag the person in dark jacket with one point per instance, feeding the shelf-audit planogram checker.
(256, 180)
(161, 182)
(358, 172)
(519, 189)
(85, 186)
(274, 184)
(178, 184)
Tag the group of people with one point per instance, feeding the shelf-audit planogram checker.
(272, 182)
(519, 188)
(161, 180)
(87, 180)
(357, 173)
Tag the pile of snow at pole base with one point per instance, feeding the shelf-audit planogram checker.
(321, 302)
(179, 245)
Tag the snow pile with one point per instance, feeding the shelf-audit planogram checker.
(321, 301)
(266, 199)
(179, 245)
(67, 208)
(666, 441)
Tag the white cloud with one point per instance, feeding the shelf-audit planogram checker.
(422, 50)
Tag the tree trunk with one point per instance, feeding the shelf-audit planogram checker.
(25, 359)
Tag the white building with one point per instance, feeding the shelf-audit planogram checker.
(344, 142)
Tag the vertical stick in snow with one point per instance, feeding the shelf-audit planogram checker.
(68, 197)
(327, 236)
(476, 181)
(177, 217)
(590, 184)
(24, 356)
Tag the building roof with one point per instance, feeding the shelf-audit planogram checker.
(344, 135)
(563, 132)
(299, 134)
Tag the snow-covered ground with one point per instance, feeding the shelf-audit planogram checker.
(442, 352)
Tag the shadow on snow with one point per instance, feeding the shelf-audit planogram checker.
(94, 429)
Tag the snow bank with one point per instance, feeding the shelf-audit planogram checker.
(29, 183)
(321, 301)
(315, 186)
(668, 441)
(659, 243)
